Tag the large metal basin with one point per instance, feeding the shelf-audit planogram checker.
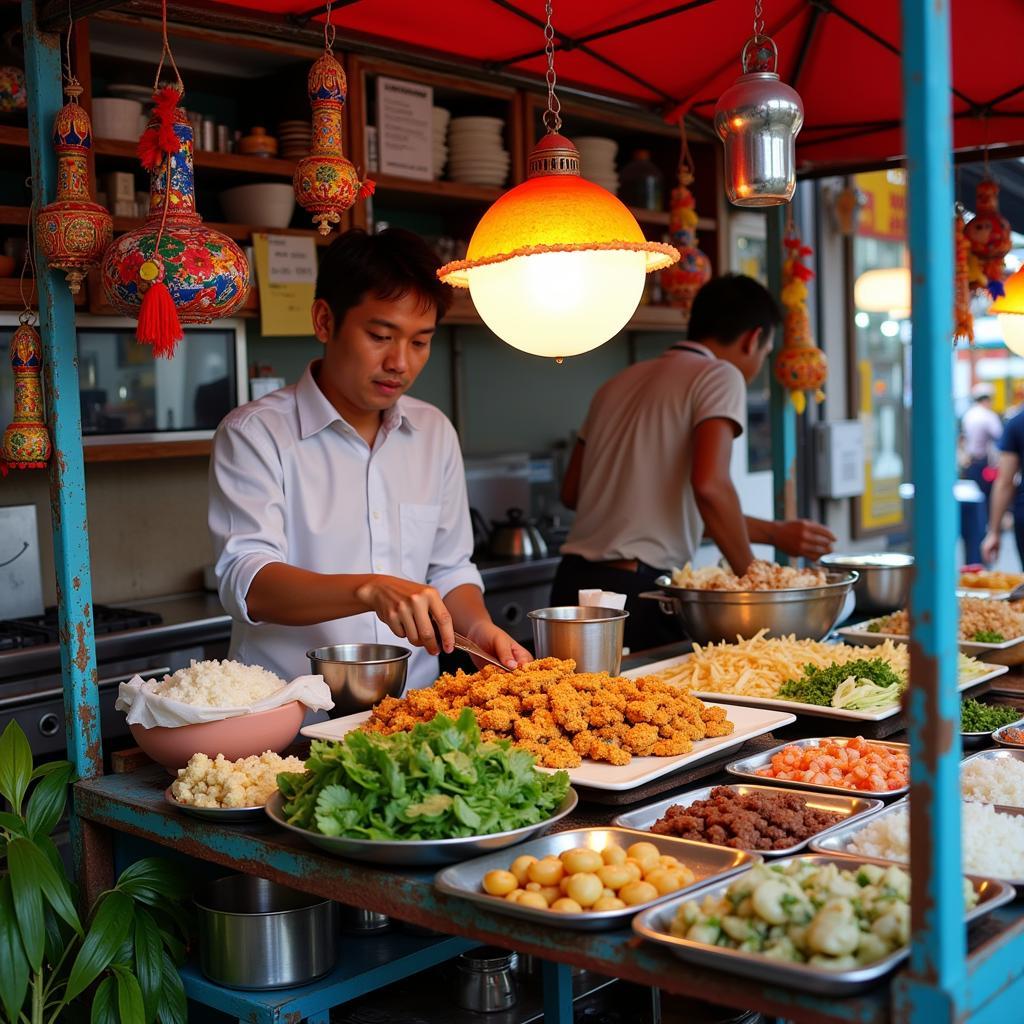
(883, 579)
(708, 616)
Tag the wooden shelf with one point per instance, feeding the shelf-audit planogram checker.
(388, 187)
(12, 137)
(239, 232)
(136, 451)
(644, 216)
(10, 292)
(235, 163)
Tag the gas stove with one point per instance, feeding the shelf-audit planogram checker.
(34, 630)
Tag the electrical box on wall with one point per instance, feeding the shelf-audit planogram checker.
(839, 459)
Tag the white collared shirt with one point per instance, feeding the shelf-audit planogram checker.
(291, 481)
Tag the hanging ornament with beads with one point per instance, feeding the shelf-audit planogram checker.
(800, 366)
(989, 237)
(325, 182)
(963, 319)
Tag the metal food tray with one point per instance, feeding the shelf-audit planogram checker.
(707, 862)
(1008, 744)
(1009, 652)
(852, 806)
(746, 768)
(223, 815)
(653, 924)
(837, 842)
(420, 853)
(996, 754)
(976, 739)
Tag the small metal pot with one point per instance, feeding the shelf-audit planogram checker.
(485, 980)
(883, 580)
(360, 675)
(255, 934)
(592, 637)
(355, 919)
(517, 537)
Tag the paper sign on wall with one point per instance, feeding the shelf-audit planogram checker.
(405, 128)
(286, 277)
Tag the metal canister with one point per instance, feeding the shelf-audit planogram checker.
(758, 118)
(592, 637)
(223, 139)
(209, 131)
(485, 981)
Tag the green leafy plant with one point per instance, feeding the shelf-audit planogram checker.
(116, 964)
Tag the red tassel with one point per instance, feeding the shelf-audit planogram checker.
(158, 321)
(160, 138)
(367, 188)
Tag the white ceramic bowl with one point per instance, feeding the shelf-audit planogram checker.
(267, 205)
(114, 118)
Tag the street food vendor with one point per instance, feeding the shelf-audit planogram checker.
(649, 475)
(338, 505)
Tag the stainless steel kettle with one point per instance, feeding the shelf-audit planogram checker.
(517, 537)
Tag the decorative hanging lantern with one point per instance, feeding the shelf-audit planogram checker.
(758, 118)
(73, 231)
(1009, 309)
(989, 237)
(800, 365)
(963, 319)
(325, 182)
(26, 441)
(684, 279)
(557, 265)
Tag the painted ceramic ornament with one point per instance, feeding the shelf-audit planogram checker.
(13, 91)
(800, 366)
(963, 319)
(204, 273)
(990, 240)
(26, 441)
(325, 182)
(684, 279)
(73, 231)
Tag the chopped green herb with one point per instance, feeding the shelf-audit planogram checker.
(988, 636)
(859, 685)
(978, 717)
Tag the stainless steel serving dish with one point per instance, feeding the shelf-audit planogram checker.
(995, 754)
(421, 853)
(999, 736)
(851, 807)
(883, 579)
(1006, 652)
(653, 924)
(707, 862)
(709, 616)
(360, 675)
(222, 815)
(747, 767)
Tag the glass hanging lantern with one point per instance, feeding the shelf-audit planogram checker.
(557, 265)
(758, 119)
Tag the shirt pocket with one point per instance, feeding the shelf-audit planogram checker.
(418, 526)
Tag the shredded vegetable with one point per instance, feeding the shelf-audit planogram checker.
(865, 684)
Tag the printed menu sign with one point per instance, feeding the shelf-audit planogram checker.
(286, 277)
(405, 124)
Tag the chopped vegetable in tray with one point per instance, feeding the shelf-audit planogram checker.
(437, 781)
(866, 684)
(978, 717)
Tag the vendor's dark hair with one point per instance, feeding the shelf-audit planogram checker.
(731, 305)
(389, 264)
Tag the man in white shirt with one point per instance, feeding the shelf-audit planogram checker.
(650, 472)
(980, 429)
(337, 506)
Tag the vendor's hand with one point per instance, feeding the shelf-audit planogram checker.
(801, 538)
(499, 645)
(409, 609)
(990, 547)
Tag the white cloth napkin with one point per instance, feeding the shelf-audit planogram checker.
(602, 599)
(149, 709)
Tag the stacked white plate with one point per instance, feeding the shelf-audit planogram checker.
(477, 154)
(597, 161)
(295, 138)
(441, 119)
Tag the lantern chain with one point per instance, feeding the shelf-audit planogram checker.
(758, 20)
(329, 31)
(553, 115)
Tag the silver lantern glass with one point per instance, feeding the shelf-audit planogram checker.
(758, 118)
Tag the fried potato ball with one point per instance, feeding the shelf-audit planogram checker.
(548, 871)
(581, 859)
(586, 889)
(609, 903)
(635, 893)
(613, 855)
(647, 855)
(566, 906)
(500, 883)
(520, 867)
(615, 876)
(532, 899)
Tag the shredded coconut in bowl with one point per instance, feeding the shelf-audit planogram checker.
(219, 684)
(993, 843)
(996, 781)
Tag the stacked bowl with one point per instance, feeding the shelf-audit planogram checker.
(296, 138)
(478, 156)
(597, 161)
(440, 157)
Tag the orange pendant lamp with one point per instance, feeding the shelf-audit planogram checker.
(557, 265)
(1009, 309)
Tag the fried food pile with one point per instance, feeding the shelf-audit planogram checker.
(561, 717)
(759, 576)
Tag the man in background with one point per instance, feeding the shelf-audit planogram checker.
(980, 429)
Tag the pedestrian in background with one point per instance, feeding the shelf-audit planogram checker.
(980, 429)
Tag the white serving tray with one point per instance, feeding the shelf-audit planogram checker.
(749, 722)
(860, 633)
(818, 710)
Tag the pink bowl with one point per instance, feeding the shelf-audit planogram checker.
(233, 737)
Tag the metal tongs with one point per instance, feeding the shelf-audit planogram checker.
(465, 644)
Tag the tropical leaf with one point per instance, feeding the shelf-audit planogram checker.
(104, 1005)
(13, 824)
(107, 931)
(15, 764)
(46, 804)
(149, 953)
(154, 881)
(130, 1006)
(13, 965)
(173, 1006)
(49, 766)
(27, 894)
(51, 884)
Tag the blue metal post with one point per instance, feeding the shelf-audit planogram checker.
(935, 990)
(557, 981)
(63, 416)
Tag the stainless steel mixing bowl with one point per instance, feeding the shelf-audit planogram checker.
(708, 616)
(883, 583)
(360, 675)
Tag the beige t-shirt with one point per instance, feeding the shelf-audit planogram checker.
(636, 498)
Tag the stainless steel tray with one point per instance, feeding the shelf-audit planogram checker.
(705, 861)
(653, 924)
(995, 754)
(837, 842)
(1008, 652)
(1002, 741)
(851, 806)
(223, 815)
(418, 852)
(747, 768)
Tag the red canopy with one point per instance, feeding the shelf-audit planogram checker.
(841, 55)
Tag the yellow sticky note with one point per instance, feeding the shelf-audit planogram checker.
(286, 277)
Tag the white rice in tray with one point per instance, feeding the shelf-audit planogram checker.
(993, 843)
(997, 780)
(219, 684)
